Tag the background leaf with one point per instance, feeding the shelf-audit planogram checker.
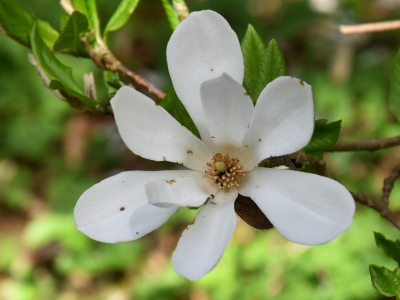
(262, 63)
(391, 248)
(121, 15)
(172, 16)
(394, 96)
(325, 135)
(385, 281)
(88, 8)
(70, 35)
(173, 105)
(18, 23)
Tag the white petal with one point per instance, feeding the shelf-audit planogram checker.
(282, 123)
(228, 110)
(204, 241)
(116, 209)
(202, 47)
(305, 208)
(149, 131)
(190, 191)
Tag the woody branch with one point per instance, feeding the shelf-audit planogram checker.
(382, 206)
(366, 145)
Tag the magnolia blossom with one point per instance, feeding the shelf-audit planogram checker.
(206, 66)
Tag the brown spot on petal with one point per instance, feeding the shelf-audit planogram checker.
(302, 82)
(259, 140)
(137, 232)
(213, 137)
(212, 69)
(122, 209)
(156, 104)
(248, 210)
(247, 146)
(212, 202)
(170, 181)
(246, 94)
(190, 152)
(164, 158)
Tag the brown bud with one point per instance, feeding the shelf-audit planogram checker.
(248, 210)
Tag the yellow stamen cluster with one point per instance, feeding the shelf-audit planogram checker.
(225, 171)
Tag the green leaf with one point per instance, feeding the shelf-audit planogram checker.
(121, 15)
(75, 99)
(173, 105)
(112, 82)
(49, 63)
(172, 16)
(80, 6)
(394, 96)
(64, 20)
(17, 23)
(262, 64)
(48, 33)
(69, 39)
(325, 135)
(391, 248)
(385, 281)
(88, 8)
(60, 75)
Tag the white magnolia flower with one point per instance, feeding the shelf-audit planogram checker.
(206, 67)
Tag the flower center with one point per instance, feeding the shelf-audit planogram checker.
(225, 171)
(221, 167)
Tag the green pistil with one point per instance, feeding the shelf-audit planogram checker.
(221, 166)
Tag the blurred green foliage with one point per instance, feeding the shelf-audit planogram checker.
(49, 155)
(384, 280)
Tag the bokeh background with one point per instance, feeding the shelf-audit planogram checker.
(50, 154)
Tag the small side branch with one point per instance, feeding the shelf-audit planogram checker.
(369, 27)
(388, 185)
(366, 145)
(382, 206)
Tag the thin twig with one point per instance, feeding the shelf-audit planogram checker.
(106, 60)
(141, 81)
(369, 27)
(366, 145)
(382, 206)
